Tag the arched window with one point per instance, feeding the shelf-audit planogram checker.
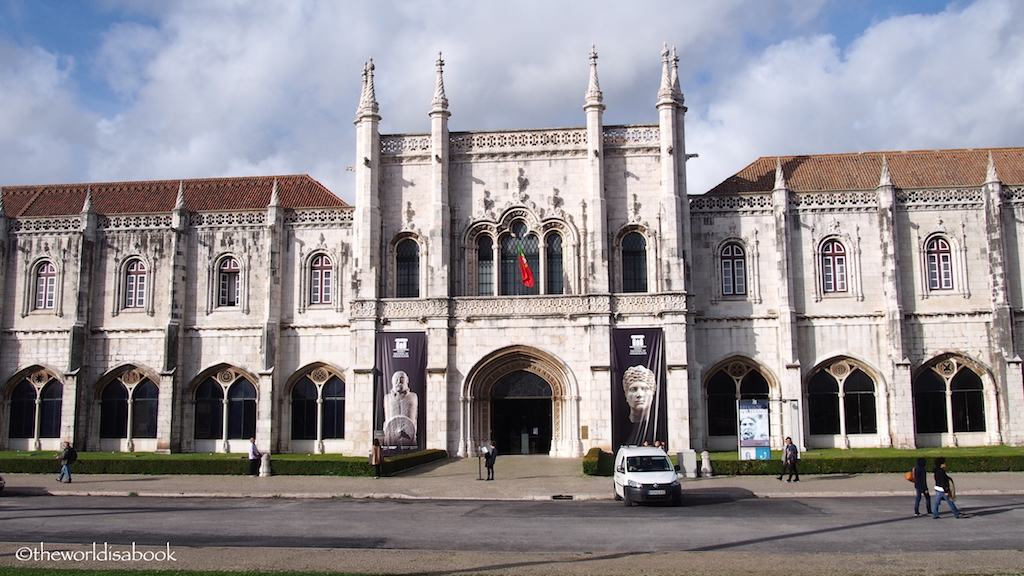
(209, 410)
(52, 401)
(229, 282)
(334, 408)
(407, 269)
(512, 272)
(859, 403)
(23, 411)
(135, 284)
(484, 266)
(833, 267)
(737, 381)
(145, 402)
(734, 270)
(320, 273)
(965, 411)
(114, 411)
(304, 396)
(554, 269)
(241, 410)
(823, 404)
(634, 263)
(46, 286)
(940, 265)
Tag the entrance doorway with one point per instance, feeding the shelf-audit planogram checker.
(521, 414)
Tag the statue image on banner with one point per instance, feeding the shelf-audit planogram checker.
(401, 408)
(639, 384)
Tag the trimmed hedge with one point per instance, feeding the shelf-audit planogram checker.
(598, 463)
(211, 464)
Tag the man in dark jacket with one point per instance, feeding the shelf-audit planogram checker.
(67, 457)
(921, 489)
(943, 490)
(489, 457)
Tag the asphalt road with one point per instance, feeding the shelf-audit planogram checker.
(717, 524)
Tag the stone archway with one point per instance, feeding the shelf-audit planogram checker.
(477, 402)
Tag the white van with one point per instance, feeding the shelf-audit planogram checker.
(645, 474)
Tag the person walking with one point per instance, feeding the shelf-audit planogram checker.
(921, 489)
(254, 458)
(944, 490)
(67, 457)
(790, 454)
(376, 457)
(489, 458)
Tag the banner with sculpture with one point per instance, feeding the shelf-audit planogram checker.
(639, 407)
(401, 392)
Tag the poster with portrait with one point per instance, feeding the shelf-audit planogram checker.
(400, 401)
(754, 429)
(639, 406)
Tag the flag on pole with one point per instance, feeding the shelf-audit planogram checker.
(524, 268)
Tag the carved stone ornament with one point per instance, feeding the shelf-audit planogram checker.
(947, 368)
(131, 377)
(319, 375)
(39, 378)
(738, 369)
(225, 376)
(840, 370)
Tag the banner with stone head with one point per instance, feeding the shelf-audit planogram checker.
(400, 402)
(639, 411)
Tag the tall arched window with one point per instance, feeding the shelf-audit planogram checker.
(859, 404)
(320, 274)
(334, 408)
(304, 396)
(145, 403)
(965, 411)
(407, 269)
(553, 264)
(484, 266)
(241, 410)
(734, 268)
(737, 381)
(229, 282)
(46, 286)
(135, 284)
(23, 411)
(833, 267)
(512, 273)
(940, 265)
(209, 410)
(114, 411)
(634, 263)
(52, 398)
(823, 404)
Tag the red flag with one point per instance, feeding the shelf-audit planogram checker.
(524, 269)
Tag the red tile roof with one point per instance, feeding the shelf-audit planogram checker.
(916, 169)
(203, 194)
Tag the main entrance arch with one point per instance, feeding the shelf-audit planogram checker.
(502, 395)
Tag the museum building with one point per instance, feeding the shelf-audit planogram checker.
(503, 285)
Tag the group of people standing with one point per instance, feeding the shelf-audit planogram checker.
(944, 489)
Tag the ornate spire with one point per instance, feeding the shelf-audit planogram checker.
(440, 101)
(368, 98)
(676, 91)
(2, 212)
(991, 174)
(886, 178)
(665, 92)
(780, 177)
(594, 95)
(179, 203)
(275, 200)
(87, 205)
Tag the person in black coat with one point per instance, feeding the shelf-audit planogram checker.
(489, 458)
(943, 489)
(921, 489)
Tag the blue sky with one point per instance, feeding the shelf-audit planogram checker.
(110, 90)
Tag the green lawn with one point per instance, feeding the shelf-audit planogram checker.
(837, 454)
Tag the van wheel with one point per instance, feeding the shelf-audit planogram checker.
(616, 495)
(626, 500)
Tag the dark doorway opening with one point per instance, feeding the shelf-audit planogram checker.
(521, 414)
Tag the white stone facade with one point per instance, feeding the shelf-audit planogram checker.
(779, 290)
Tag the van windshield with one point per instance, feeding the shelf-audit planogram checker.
(648, 464)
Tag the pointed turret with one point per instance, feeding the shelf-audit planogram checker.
(596, 280)
(886, 178)
(991, 174)
(594, 95)
(275, 200)
(179, 202)
(2, 211)
(780, 176)
(440, 101)
(87, 205)
(368, 98)
(677, 92)
(665, 92)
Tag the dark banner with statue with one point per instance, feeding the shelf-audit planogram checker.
(639, 406)
(400, 402)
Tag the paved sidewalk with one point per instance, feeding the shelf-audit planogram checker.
(517, 478)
